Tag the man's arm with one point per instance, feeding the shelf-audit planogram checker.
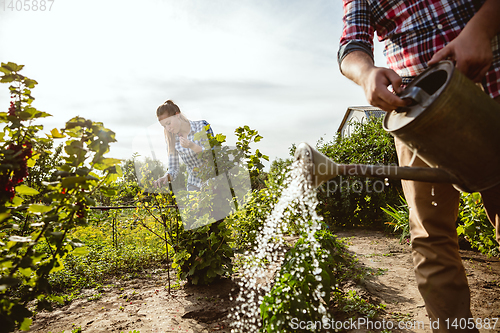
(356, 57)
(471, 50)
(358, 66)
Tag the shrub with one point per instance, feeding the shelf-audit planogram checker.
(355, 201)
(248, 220)
(291, 299)
(474, 226)
(47, 213)
(204, 254)
(202, 250)
(472, 223)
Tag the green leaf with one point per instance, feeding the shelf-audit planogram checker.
(32, 161)
(56, 134)
(7, 78)
(119, 171)
(42, 114)
(90, 177)
(220, 137)
(80, 251)
(26, 190)
(26, 271)
(25, 325)
(83, 171)
(30, 83)
(13, 67)
(38, 209)
(5, 70)
(58, 266)
(16, 202)
(107, 191)
(58, 299)
(69, 182)
(111, 161)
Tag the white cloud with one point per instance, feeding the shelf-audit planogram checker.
(267, 64)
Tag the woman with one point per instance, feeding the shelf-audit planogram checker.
(181, 142)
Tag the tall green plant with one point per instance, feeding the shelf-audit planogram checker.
(348, 201)
(290, 306)
(204, 254)
(291, 298)
(60, 205)
(399, 220)
(201, 251)
(474, 225)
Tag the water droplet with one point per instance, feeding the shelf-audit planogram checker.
(434, 203)
(432, 190)
(297, 191)
(386, 181)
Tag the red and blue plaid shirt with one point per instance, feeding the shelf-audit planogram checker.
(412, 31)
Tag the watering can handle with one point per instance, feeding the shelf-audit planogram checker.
(416, 94)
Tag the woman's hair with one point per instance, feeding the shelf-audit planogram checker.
(169, 109)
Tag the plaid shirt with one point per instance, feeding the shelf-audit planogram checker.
(189, 157)
(413, 31)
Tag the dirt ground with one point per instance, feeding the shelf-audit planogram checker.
(396, 287)
(144, 305)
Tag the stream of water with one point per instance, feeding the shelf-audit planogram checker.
(298, 198)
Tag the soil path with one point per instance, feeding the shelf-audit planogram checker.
(145, 305)
(396, 286)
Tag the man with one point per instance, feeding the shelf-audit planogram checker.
(417, 34)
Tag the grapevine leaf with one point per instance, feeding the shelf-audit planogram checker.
(26, 190)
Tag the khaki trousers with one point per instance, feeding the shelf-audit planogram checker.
(439, 271)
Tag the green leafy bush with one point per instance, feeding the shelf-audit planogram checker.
(204, 254)
(474, 225)
(202, 251)
(291, 299)
(47, 213)
(100, 263)
(247, 222)
(125, 252)
(291, 296)
(348, 201)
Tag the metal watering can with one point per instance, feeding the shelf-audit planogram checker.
(451, 124)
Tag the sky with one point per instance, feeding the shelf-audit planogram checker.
(269, 64)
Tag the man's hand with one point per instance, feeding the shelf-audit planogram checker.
(471, 49)
(470, 52)
(359, 67)
(375, 86)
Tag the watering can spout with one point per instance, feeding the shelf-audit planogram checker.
(321, 169)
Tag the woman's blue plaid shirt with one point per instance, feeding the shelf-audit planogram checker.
(189, 157)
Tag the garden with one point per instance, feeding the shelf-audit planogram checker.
(87, 248)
